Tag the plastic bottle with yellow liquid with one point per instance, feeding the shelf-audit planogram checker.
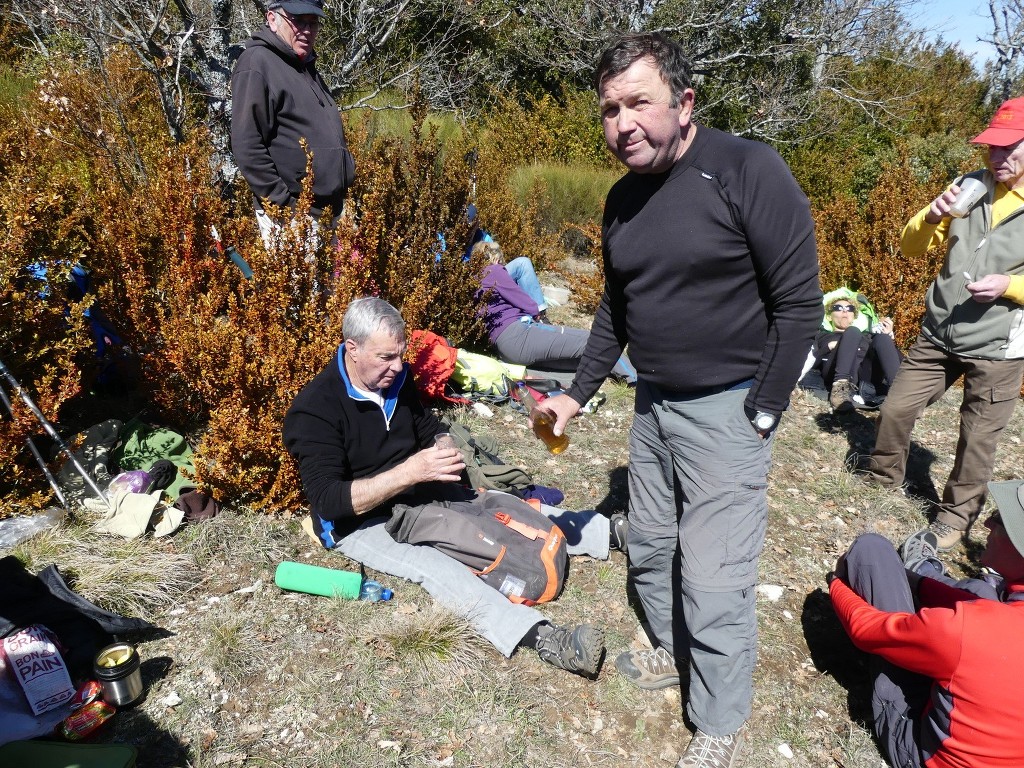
(543, 422)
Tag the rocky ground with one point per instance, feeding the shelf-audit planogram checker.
(241, 673)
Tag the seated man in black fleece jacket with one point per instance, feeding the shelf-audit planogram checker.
(364, 442)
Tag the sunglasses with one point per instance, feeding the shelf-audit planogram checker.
(842, 308)
(309, 22)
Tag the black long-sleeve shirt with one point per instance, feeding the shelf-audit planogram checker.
(711, 275)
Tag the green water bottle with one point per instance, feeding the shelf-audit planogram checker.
(314, 580)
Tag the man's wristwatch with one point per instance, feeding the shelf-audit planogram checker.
(763, 421)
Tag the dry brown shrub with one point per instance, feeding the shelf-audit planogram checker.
(587, 287)
(286, 323)
(44, 342)
(221, 357)
(859, 247)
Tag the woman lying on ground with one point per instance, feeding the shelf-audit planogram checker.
(515, 331)
(847, 356)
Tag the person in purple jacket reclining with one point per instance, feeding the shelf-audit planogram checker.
(513, 326)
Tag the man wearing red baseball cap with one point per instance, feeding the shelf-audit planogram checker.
(973, 327)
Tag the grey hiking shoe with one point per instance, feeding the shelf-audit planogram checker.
(579, 650)
(648, 669)
(920, 546)
(618, 532)
(841, 396)
(706, 751)
(921, 549)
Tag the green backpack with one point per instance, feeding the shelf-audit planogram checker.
(483, 466)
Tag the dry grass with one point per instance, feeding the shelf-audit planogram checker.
(136, 578)
(248, 675)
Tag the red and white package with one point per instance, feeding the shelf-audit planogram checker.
(33, 657)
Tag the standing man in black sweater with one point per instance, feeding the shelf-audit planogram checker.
(279, 100)
(711, 277)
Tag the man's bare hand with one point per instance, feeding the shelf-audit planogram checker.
(939, 209)
(563, 408)
(989, 288)
(444, 464)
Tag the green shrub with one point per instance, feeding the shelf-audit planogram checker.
(573, 194)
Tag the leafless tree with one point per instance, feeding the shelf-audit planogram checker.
(188, 47)
(774, 59)
(1007, 71)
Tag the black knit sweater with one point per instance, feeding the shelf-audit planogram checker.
(711, 275)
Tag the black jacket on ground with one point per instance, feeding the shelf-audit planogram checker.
(711, 275)
(277, 100)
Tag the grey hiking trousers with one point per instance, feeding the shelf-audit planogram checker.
(697, 517)
(500, 621)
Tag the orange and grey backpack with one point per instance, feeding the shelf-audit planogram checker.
(504, 540)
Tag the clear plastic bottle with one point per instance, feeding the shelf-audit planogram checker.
(543, 422)
(373, 592)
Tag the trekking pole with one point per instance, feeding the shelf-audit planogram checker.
(39, 457)
(54, 435)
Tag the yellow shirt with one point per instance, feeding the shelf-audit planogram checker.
(919, 236)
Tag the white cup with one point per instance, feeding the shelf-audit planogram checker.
(444, 440)
(971, 191)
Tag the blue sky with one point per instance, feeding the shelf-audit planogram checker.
(962, 21)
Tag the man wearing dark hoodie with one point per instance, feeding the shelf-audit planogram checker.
(278, 100)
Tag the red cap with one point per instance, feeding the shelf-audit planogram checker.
(1006, 126)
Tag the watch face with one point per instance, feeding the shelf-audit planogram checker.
(764, 421)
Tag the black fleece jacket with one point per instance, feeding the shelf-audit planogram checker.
(336, 435)
(277, 100)
(711, 275)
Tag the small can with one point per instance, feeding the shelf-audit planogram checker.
(82, 723)
(117, 667)
(89, 691)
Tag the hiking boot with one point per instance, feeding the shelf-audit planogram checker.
(706, 751)
(920, 546)
(618, 531)
(841, 396)
(946, 536)
(578, 650)
(648, 669)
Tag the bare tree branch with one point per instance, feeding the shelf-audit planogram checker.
(1007, 73)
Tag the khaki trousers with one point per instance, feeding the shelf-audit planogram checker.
(991, 391)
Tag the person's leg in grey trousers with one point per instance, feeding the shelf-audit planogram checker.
(698, 474)
(876, 573)
(499, 621)
(554, 347)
